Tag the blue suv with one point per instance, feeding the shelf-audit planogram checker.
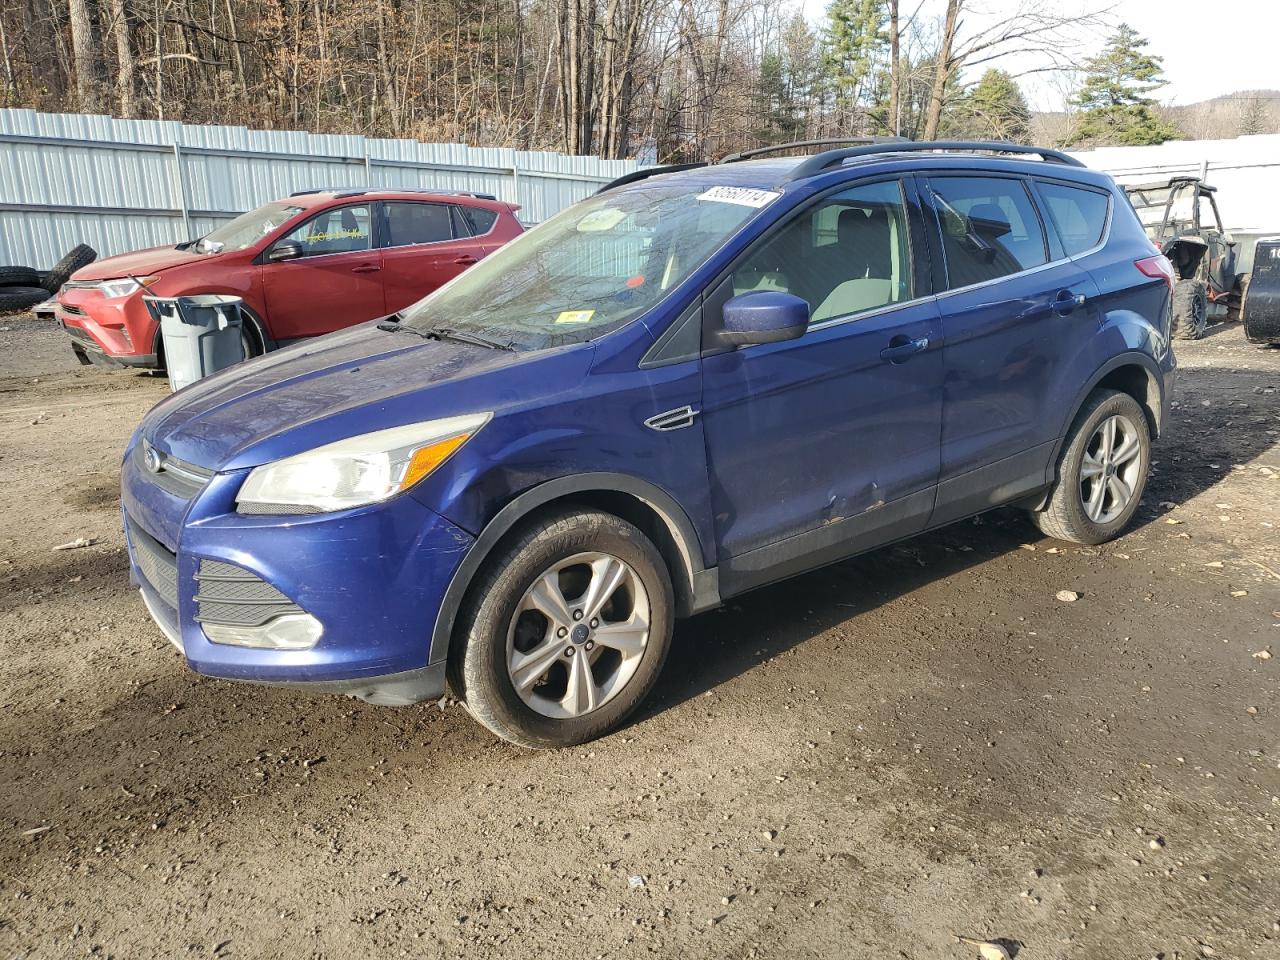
(701, 380)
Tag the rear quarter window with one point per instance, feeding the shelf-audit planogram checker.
(479, 219)
(1079, 214)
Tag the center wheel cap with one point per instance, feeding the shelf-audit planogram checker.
(579, 633)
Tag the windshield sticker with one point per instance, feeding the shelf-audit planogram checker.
(743, 196)
(575, 316)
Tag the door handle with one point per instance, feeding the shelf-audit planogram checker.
(901, 349)
(467, 259)
(366, 268)
(1066, 301)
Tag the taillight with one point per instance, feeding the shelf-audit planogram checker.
(1157, 267)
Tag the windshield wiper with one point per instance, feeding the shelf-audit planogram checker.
(460, 336)
(393, 324)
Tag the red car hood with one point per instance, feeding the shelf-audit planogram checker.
(140, 263)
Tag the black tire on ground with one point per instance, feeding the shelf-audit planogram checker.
(13, 299)
(19, 277)
(81, 255)
(1190, 310)
(1064, 516)
(478, 662)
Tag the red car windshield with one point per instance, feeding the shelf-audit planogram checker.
(247, 229)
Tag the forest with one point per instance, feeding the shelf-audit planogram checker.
(666, 79)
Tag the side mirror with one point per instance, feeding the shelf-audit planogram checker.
(763, 316)
(284, 250)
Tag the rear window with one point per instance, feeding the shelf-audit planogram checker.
(1079, 215)
(989, 228)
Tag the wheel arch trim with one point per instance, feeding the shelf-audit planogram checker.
(699, 584)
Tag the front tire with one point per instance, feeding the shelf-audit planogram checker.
(1102, 471)
(565, 631)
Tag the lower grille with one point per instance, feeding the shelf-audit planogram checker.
(158, 566)
(232, 595)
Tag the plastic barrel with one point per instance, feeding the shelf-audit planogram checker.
(201, 335)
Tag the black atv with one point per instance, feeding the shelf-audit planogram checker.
(1181, 216)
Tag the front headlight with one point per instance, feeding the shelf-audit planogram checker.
(362, 470)
(125, 286)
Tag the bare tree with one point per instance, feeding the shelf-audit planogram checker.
(1040, 32)
(85, 51)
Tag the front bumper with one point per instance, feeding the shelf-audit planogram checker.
(109, 332)
(373, 577)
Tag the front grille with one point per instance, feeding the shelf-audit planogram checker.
(156, 563)
(73, 310)
(177, 477)
(232, 595)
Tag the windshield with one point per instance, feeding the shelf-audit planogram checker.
(247, 229)
(592, 268)
(1150, 202)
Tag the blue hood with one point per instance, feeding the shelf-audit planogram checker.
(351, 382)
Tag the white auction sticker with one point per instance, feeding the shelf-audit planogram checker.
(746, 196)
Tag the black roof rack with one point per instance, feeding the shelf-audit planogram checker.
(760, 151)
(647, 172)
(832, 158)
(361, 191)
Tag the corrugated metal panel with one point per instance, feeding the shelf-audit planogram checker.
(119, 185)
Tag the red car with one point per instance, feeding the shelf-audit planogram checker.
(308, 265)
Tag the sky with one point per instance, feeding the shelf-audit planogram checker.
(1205, 54)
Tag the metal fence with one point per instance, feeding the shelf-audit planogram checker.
(120, 185)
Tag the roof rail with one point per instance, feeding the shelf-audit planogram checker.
(647, 172)
(831, 158)
(760, 151)
(360, 191)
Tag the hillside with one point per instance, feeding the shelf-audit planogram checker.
(1230, 115)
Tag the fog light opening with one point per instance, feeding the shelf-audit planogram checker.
(293, 631)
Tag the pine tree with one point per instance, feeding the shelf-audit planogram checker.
(854, 37)
(1254, 117)
(995, 109)
(1114, 101)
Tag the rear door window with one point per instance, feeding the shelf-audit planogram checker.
(990, 228)
(410, 223)
(337, 230)
(1078, 214)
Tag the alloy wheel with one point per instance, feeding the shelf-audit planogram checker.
(578, 635)
(1110, 470)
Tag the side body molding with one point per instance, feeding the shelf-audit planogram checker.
(697, 587)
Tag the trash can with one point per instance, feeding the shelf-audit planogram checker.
(201, 335)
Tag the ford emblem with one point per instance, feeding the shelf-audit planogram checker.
(151, 456)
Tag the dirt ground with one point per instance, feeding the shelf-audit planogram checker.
(862, 762)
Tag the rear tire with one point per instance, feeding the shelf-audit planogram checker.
(15, 299)
(78, 257)
(19, 277)
(1190, 310)
(1100, 481)
(600, 577)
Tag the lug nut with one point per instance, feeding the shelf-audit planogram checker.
(562, 632)
(590, 645)
(568, 651)
(577, 614)
(594, 623)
